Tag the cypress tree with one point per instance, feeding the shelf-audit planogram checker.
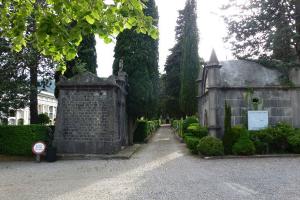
(139, 53)
(190, 61)
(172, 68)
(140, 57)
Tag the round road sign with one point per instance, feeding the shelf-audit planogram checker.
(38, 148)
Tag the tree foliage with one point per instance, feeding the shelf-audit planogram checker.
(16, 86)
(86, 57)
(61, 24)
(14, 81)
(263, 29)
(173, 83)
(139, 53)
(190, 60)
(182, 65)
(172, 69)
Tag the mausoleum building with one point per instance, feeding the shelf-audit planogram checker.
(91, 116)
(245, 86)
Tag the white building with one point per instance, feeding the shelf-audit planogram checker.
(47, 104)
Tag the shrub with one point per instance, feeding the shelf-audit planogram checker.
(43, 119)
(294, 142)
(197, 130)
(150, 127)
(177, 125)
(243, 146)
(261, 140)
(18, 140)
(187, 135)
(231, 137)
(210, 146)
(188, 121)
(280, 134)
(144, 129)
(141, 131)
(192, 143)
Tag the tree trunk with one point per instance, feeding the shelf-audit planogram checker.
(298, 28)
(33, 94)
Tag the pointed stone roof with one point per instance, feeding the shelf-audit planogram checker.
(213, 61)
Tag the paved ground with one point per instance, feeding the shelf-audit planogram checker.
(162, 169)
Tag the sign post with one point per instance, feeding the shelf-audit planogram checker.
(38, 148)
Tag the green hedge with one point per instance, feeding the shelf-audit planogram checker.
(243, 146)
(294, 142)
(231, 136)
(197, 130)
(177, 125)
(144, 129)
(192, 143)
(281, 138)
(188, 121)
(210, 146)
(18, 140)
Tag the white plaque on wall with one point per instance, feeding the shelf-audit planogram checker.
(258, 120)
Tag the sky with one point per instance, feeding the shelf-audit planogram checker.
(212, 30)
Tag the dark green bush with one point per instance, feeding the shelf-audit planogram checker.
(141, 131)
(261, 140)
(231, 137)
(197, 130)
(188, 135)
(188, 121)
(18, 140)
(210, 146)
(294, 142)
(43, 119)
(243, 146)
(192, 143)
(144, 129)
(280, 134)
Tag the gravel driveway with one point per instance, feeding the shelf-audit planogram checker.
(162, 169)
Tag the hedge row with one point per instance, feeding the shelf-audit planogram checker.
(196, 139)
(144, 129)
(18, 140)
(281, 138)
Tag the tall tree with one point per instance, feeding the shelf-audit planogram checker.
(14, 80)
(139, 53)
(264, 29)
(172, 69)
(19, 74)
(190, 60)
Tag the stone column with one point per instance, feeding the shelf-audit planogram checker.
(213, 82)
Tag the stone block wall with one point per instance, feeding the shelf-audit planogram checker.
(91, 118)
(278, 102)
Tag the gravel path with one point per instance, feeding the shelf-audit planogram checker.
(162, 169)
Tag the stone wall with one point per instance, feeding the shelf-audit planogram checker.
(91, 116)
(279, 103)
(282, 104)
